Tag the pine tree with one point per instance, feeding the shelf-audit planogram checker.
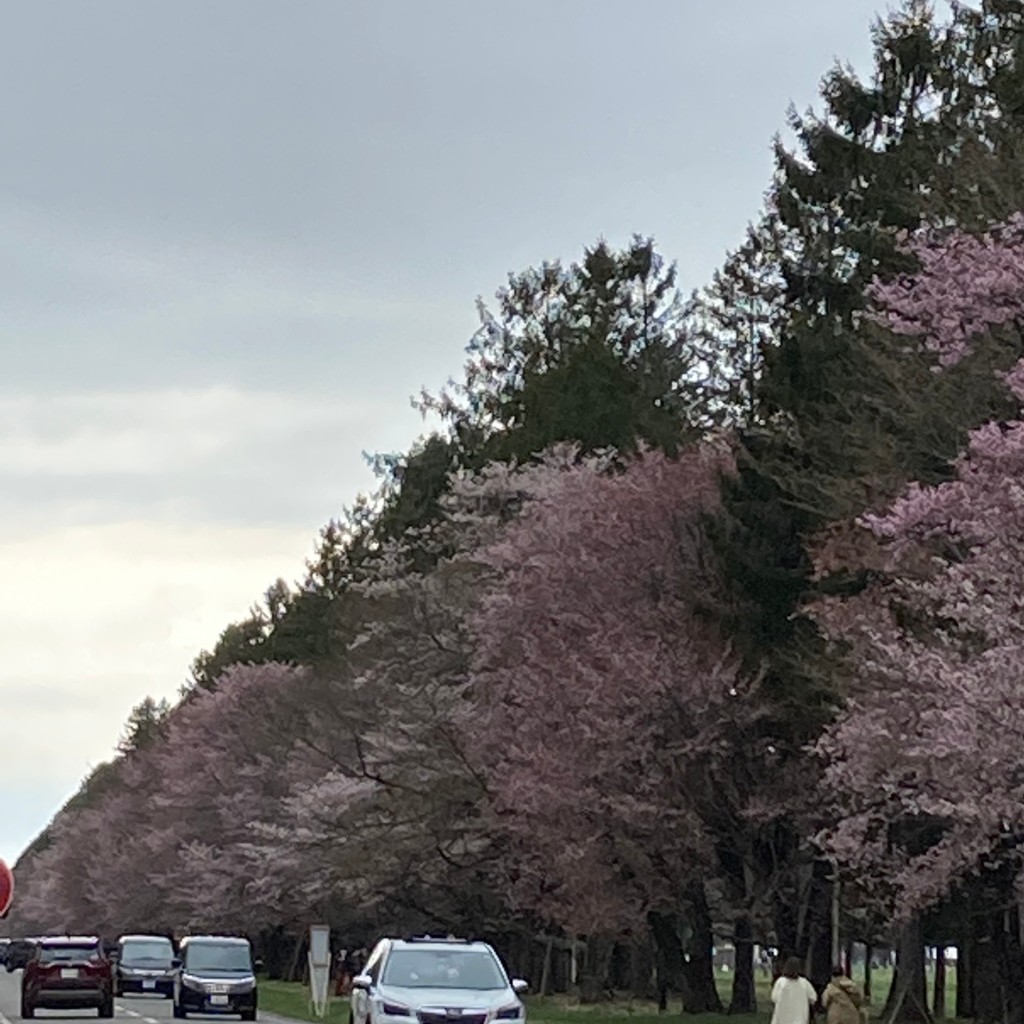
(596, 353)
(736, 322)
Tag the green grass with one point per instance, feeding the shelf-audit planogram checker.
(289, 999)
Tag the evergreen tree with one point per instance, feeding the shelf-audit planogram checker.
(145, 725)
(596, 353)
(736, 322)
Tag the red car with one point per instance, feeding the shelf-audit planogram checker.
(69, 972)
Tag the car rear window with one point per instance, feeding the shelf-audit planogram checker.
(68, 952)
(146, 949)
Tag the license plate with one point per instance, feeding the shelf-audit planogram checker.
(68, 972)
(218, 1000)
(149, 984)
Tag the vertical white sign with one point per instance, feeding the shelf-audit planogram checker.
(319, 967)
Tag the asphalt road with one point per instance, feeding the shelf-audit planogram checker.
(134, 1009)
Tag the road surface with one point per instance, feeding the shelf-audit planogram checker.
(127, 1009)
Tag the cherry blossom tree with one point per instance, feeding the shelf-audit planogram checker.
(603, 692)
(393, 818)
(966, 285)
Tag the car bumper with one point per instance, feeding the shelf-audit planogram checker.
(211, 1003)
(68, 998)
(164, 986)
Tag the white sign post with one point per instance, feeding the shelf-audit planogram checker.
(319, 967)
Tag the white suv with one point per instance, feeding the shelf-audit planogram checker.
(435, 981)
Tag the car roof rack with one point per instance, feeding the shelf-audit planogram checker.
(439, 938)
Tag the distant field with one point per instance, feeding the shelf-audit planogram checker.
(292, 1000)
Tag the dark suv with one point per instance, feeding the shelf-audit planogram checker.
(68, 973)
(145, 963)
(216, 974)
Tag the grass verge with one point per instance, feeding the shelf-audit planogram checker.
(290, 999)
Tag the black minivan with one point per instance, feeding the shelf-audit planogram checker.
(216, 975)
(145, 963)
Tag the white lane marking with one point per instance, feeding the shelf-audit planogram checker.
(127, 1012)
(4, 1020)
(151, 1020)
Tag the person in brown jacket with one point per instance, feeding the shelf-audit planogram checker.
(842, 1000)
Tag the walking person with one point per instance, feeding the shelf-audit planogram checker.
(842, 999)
(793, 996)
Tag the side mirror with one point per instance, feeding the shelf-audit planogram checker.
(519, 986)
(176, 963)
(362, 981)
(258, 964)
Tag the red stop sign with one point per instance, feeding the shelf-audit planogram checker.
(6, 888)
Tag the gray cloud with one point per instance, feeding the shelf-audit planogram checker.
(215, 456)
(171, 163)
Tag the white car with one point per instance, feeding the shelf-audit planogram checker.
(435, 981)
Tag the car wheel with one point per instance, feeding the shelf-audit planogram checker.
(248, 1015)
(28, 1011)
(178, 1012)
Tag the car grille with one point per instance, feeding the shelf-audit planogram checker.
(443, 1017)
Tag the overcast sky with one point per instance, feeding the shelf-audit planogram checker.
(236, 237)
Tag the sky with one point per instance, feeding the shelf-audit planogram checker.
(236, 238)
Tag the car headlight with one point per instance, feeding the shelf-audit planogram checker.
(395, 1009)
(244, 986)
(191, 982)
(510, 1012)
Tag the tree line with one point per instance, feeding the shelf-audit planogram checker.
(697, 607)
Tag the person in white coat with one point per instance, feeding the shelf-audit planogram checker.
(793, 996)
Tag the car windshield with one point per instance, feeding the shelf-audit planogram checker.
(66, 952)
(209, 956)
(442, 968)
(149, 950)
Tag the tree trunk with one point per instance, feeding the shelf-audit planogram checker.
(700, 994)
(868, 954)
(787, 938)
(939, 989)
(594, 977)
(964, 982)
(996, 972)
(669, 957)
(641, 968)
(819, 926)
(986, 979)
(890, 996)
(545, 974)
(296, 966)
(744, 993)
(909, 1004)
